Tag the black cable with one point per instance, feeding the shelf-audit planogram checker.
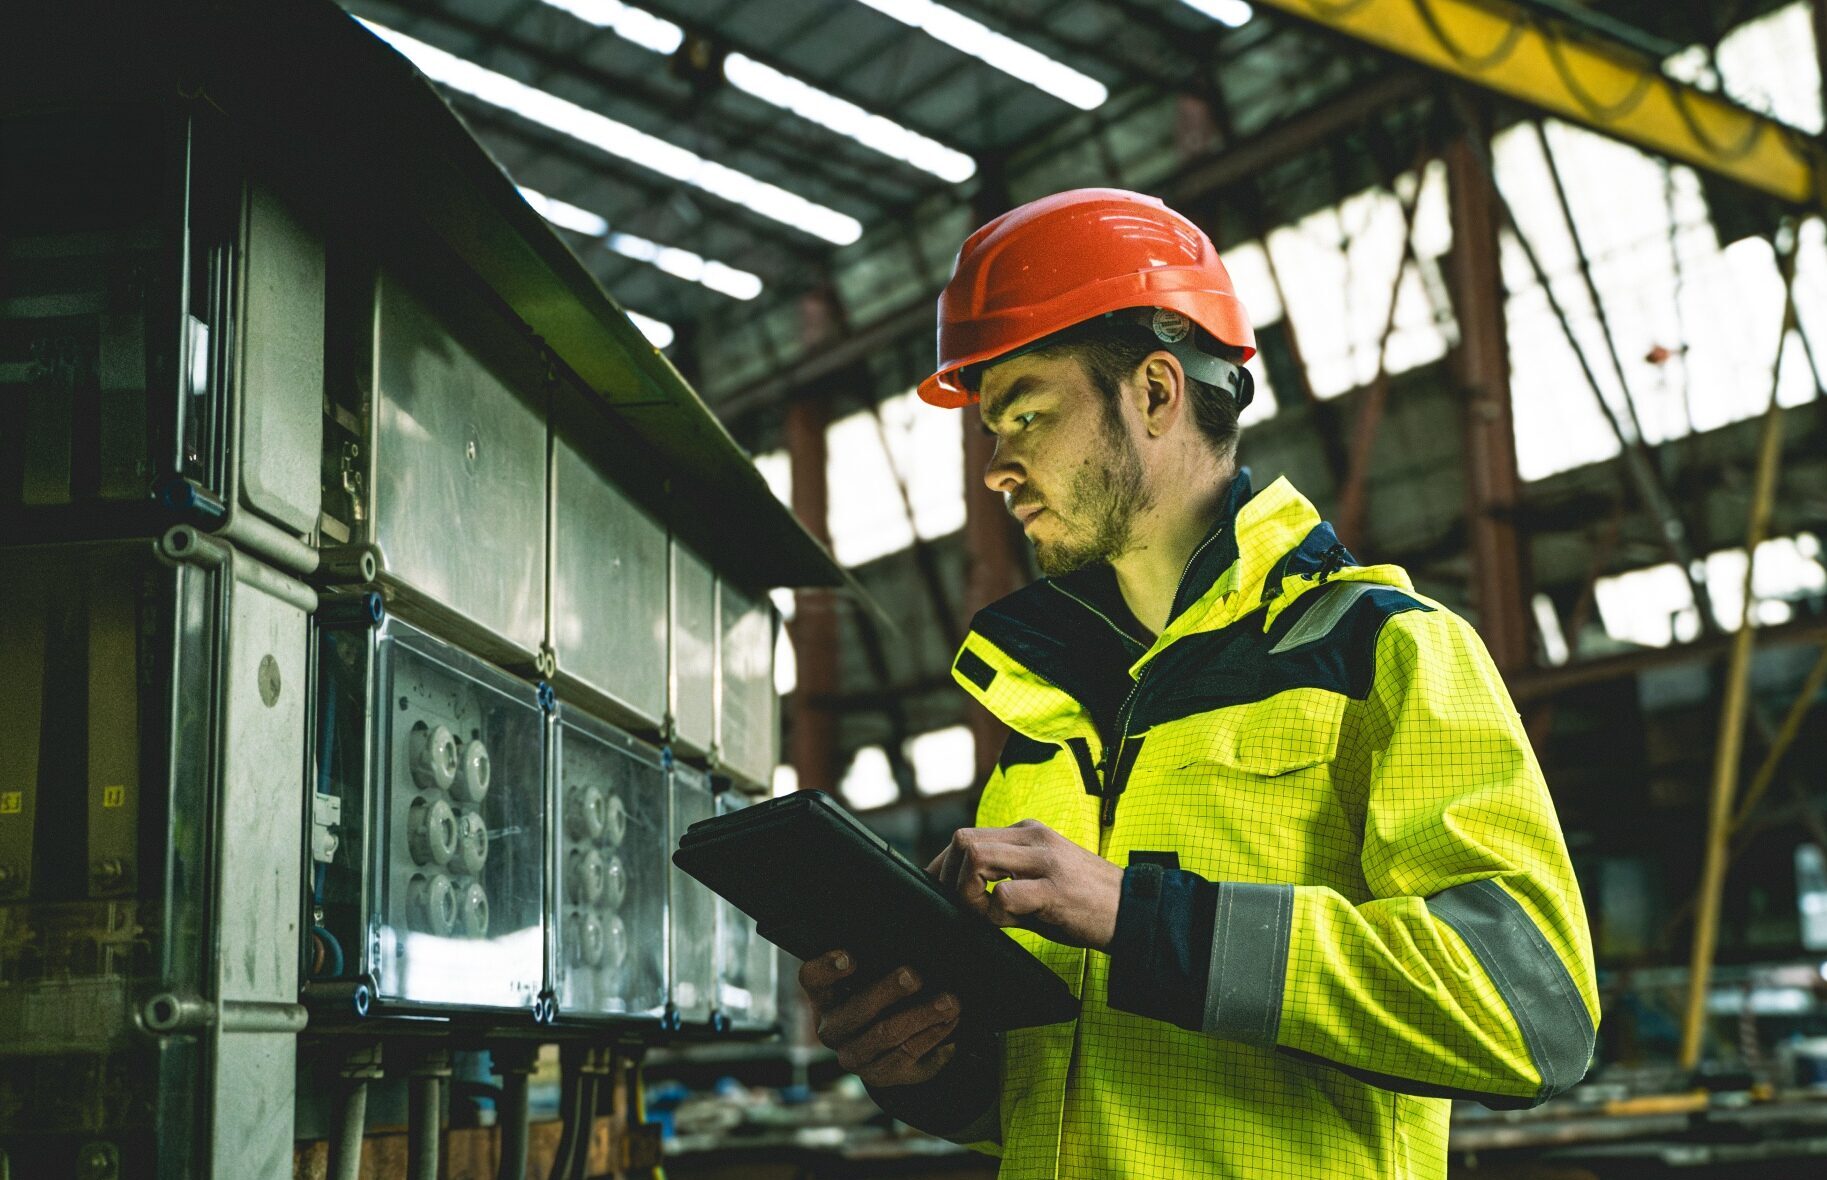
(346, 1143)
(592, 1090)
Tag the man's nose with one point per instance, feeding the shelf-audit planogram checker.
(1003, 474)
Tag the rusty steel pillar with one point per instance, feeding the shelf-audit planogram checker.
(1481, 368)
(813, 742)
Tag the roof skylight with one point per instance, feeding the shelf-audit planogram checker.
(619, 139)
(782, 90)
(680, 263)
(1022, 62)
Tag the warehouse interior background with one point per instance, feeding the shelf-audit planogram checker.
(1540, 289)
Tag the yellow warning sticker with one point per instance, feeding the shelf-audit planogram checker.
(114, 796)
(12, 802)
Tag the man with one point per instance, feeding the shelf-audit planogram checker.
(1269, 812)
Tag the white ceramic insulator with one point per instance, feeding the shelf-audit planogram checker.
(473, 777)
(431, 830)
(472, 842)
(433, 757)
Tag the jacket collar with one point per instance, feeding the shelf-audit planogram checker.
(1072, 645)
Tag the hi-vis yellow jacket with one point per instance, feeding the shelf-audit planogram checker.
(1397, 921)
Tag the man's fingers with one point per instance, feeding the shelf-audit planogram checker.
(892, 1033)
(1014, 902)
(922, 1043)
(820, 976)
(897, 1069)
(844, 1020)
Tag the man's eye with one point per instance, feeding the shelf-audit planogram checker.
(1026, 417)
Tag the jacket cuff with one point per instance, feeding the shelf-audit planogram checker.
(965, 1093)
(1248, 964)
(1161, 954)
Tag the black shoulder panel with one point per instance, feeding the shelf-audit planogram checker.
(1022, 750)
(1239, 665)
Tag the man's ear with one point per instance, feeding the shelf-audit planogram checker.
(1162, 396)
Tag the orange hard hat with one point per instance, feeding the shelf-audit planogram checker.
(1061, 260)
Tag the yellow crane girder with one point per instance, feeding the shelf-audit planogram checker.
(1581, 77)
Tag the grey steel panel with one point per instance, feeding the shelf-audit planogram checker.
(459, 465)
(693, 647)
(263, 734)
(748, 966)
(612, 867)
(282, 364)
(609, 591)
(693, 958)
(748, 718)
(252, 1119)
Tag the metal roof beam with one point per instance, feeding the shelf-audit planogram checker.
(1586, 77)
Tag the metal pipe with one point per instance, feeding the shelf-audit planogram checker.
(351, 1124)
(422, 1127)
(260, 1016)
(186, 543)
(269, 541)
(1737, 698)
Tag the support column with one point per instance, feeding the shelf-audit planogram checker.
(1481, 367)
(813, 746)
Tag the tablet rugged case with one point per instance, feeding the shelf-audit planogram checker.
(815, 879)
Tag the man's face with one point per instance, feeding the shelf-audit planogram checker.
(1065, 461)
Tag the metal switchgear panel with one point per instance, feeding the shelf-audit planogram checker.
(694, 651)
(436, 762)
(748, 709)
(611, 872)
(693, 984)
(748, 965)
(609, 594)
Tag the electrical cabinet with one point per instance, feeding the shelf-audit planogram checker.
(748, 708)
(435, 457)
(151, 892)
(609, 593)
(692, 983)
(610, 872)
(161, 330)
(433, 762)
(748, 965)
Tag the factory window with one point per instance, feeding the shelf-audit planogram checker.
(1769, 64)
(1694, 324)
(924, 452)
(943, 760)
(868, 782)
(1337, 267)
(786, 780)
(1655, 606)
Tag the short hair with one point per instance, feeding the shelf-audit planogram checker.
(1112, 350)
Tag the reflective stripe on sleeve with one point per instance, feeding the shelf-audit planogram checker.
(1249, 963)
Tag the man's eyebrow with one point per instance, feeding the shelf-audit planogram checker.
(994, 408)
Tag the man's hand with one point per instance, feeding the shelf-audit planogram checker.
(885, 1032)
(1032, 877)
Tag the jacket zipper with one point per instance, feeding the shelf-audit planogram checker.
(1113, 754)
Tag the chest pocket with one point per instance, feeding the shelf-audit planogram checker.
(1293, 730)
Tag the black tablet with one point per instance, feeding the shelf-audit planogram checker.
(815, 879)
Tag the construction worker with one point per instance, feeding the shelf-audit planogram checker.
(1269, 812)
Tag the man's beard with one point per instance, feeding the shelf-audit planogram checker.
(1100, 509)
